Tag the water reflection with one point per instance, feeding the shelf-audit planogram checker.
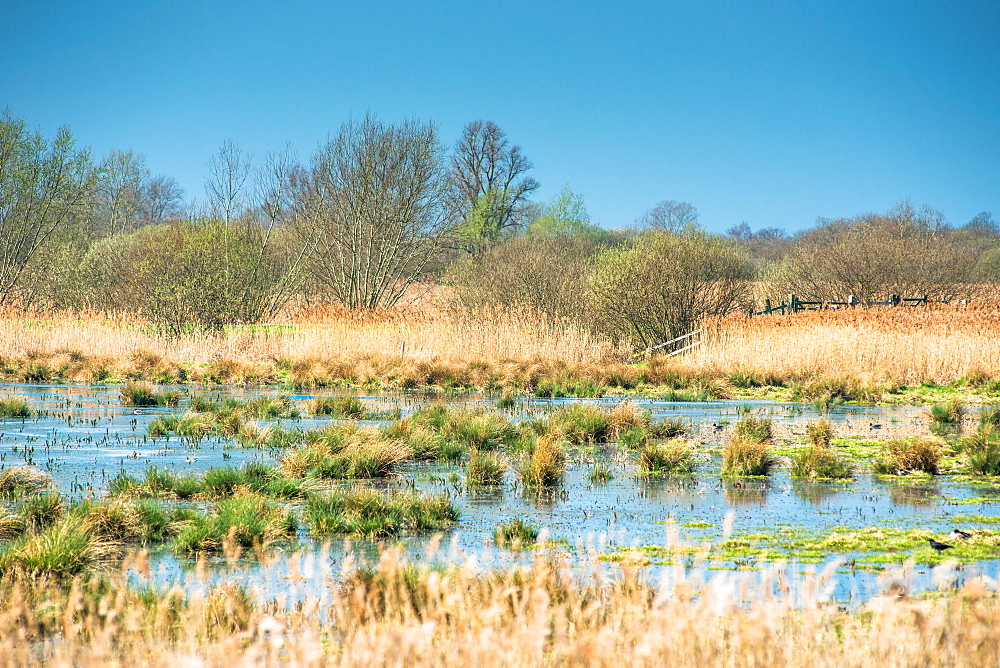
(745, 492)
(919, 495)
(668, 487)
(816, 492)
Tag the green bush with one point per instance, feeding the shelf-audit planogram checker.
(14, 407)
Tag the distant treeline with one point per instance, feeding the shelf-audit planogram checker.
(381, 206)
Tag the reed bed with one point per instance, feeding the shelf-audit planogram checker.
(549, 613)
(826, 356)
(903, 345)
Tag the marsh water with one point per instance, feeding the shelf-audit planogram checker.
(84, 436)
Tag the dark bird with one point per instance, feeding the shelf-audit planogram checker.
(872, 425)
(940, 547)
(958, 533)
(716, 427)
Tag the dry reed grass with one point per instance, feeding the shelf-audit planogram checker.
(551, 613)
(904, 345)
(859, 351)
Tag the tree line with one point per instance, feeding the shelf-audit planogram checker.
(380, 206)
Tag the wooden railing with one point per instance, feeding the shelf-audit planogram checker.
(794, 304)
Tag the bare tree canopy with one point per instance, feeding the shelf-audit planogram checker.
(489, 185)
(371, 209)
(226, 185)
(42, 185)
(670, 216)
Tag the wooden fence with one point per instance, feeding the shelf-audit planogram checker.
(794, 304)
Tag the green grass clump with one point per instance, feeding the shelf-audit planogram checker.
(754, 429)
(215, 483)
(61, 551)
(348, 408)
(42, 511)
(437, 432)
(245, 522)
(15, 407)
(673, 456)
(515, 534)
(485, 468)
(366, 513)
(549, 388)
(746, 456)
(989, 418)
(820, 433)
(346, 453)
(507, 402)
(18, 481)
(545, 464)
(819, 462)
(982, 452)
(143, 394)
(600, 474)
(946, 416)
(912, 455)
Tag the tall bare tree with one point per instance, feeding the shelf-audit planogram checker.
(371, 209)
(226, 186)
(489, 183)
(42, 185)
(162, 200)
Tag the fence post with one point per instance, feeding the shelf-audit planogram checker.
(767, 306)
(894, 300)
(792, 306)
(850, 301)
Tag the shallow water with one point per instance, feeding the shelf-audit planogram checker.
(86, 437)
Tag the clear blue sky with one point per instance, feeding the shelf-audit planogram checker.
(769, 112)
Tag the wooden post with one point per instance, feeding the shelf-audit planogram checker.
(402, 348)
(792, 306)
(767, 306)
(894, 300)
(850, 301)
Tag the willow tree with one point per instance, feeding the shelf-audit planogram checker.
(662, 284)
(371, 209)
(42, 186)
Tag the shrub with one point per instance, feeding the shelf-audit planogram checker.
(516, 534)
(14, 407)
(911, 454)
(745, 456)
(674, 456)
(485, 468)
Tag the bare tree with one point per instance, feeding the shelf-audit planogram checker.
(226, 186)
(122, 182)
(670, 216)
(42, 186)
(371, 209)
(489, 185)
(162, 200)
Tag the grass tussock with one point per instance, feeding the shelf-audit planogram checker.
(348, 408)
(982, 451)
(365, 513)
(910, 455)
(673, 456)
(235, 523)
(485, 468)
(143, 394)
(544, 464)
(754, 429)
(515, 534)
(19, 481)
(214, 484)
(346, 453)
(745, 456)
(819, 462)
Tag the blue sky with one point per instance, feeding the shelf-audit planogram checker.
(769, 112)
